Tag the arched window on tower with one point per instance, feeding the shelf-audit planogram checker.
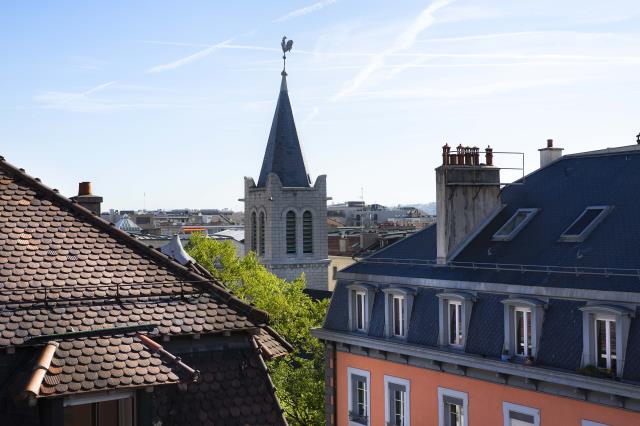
(254, 232)
(291, 232)
(261, 233)
(307, 232)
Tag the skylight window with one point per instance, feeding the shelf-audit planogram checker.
(580, 229)
(514, 225)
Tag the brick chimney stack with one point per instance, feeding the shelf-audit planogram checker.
(466, 194)
(549, 154)
(86, 199)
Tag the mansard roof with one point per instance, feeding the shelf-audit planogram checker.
(606, 260)
(283, 155)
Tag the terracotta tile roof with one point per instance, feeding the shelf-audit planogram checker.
(56, 255)
(271, 344)
(171, 315)
(65, 270)
(234, 389)
(101, 363)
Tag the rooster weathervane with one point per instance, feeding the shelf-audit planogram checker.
(286, 47)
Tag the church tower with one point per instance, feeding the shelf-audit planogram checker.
(285, 214)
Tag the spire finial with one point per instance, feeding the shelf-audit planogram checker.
(286, 47)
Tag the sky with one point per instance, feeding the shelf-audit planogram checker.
(165, 104)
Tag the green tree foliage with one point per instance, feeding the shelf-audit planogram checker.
(299, 377)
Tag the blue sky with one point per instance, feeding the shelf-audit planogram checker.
(175, 99)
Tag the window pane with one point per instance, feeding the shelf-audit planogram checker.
(585, 220)
(519, 332)
(396, 316)
(612, 344)
(454, 414)
(397, 417)
(455, 324)
(513, 223)
(527, 316)
(520, 419)
(601, 343)
(360, 311)
(291, 232)
(362, 398)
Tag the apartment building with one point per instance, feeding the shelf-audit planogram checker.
(518, 307)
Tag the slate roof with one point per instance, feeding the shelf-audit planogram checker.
(561, 191)
(92, 364)
(283, 155)
(64, 269)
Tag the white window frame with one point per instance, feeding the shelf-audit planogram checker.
(592, 423)
(608, 355)
(459, 327)
(573, 238)
(465, 302)
(508, 407)
(405, 296)
(537, 308)
(622, 316)
(398, 316)
(527, 315)
(360, 312)
(531, 212)
(407, 397)
(442, 392)
(369, 295)
(363, 373)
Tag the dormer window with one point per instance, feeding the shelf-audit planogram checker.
(398, 303)
(580, 229)
(523, 325)
(360, 306)
(605, 335)
(514, 225)
(455, 311)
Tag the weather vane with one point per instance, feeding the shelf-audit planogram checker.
(286, 47)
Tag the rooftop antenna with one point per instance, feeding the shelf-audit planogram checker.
(286, 47)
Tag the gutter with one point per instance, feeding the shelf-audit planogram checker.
(32, 389)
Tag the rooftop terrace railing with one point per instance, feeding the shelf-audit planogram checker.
(511, 267)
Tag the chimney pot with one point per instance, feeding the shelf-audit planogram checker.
(489, 156)
(549, 154)
(86, 199)
(84, 188)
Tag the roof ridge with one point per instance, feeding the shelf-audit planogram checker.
(215, 286)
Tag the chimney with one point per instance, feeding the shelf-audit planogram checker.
(467, 192)
(86, 199)
(549, 154)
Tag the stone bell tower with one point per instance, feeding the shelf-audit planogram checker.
(285, 214)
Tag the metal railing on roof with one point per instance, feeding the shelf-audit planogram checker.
(510, 267)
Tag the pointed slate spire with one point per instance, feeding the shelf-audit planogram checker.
(283, 155)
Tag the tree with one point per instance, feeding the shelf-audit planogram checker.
(299, 377)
